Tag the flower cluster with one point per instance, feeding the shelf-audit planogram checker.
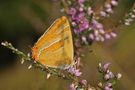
(108, 8)
(99, 33)
(78, 14)
(82, 84)
(109, 77)
(73, 86)
(85, 23)
(130, 17)
(74, 71)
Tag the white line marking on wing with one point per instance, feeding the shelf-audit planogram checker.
(62, 29)
(59, 39)
(47, 30)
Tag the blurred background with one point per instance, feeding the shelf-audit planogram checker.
(22, 22)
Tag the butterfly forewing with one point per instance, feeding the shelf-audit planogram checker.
(55, 47)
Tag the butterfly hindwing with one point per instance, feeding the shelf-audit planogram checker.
(55, 47)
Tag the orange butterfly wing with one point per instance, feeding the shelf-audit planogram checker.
(55, 47)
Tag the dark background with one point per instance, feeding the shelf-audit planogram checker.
(23, 21)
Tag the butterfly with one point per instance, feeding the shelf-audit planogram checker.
(55, 47)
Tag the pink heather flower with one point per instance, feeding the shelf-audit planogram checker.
(109, 10)
(73, 24)
(90, 11)
(81, 9)
(130, 20)
(97, 39)
(94, 22)
(108, 86)
(102, 13)
(127, 23)
(72, 11)
(133, 10)
(72, 87)
(133, 16)
(119, 76)
(81, 1)
(74, 71)
(76, 30)
(84, 82)
(97, 25)
(84, 40)
(108, 5)
(111, 75)
(77, 72)
(101, 31)
(102, 39)
(107, 36)
(96, 33)
(114, 2)
(106, 66)
(82, 5)
(91, 36)
(108, 76)
(80, 16)
(84, 24)
(113, 34)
